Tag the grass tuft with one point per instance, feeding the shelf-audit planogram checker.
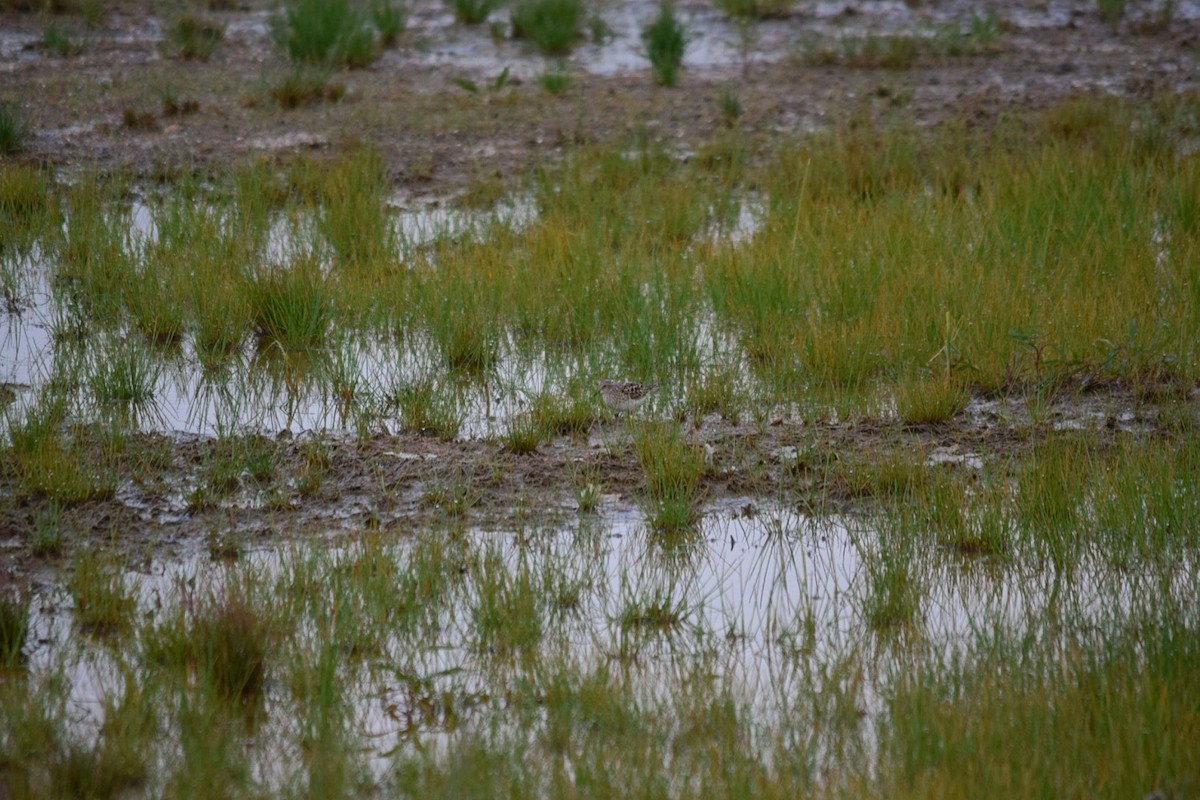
(573, 415)
(305, 86)
(324, 32)
(230, 643)
(57, 39)
(523, 434)
(124, 378)
(103, 605)
(556, 79)
(508, 608)
(222, 636)
(673, 468)
(553, 26)
(194, 38)
(50, 464)
(14, 631)
(390, 19)
(755, 9)
(666, 40)
(659, 613)
(291, 307)
(928, 401)
(14, 128)
(473, 12)
(427, 408)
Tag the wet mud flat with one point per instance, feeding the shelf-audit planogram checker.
(914, 512)
(183, 495)
(114, 103)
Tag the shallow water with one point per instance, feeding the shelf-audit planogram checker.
(766, 599)
(256, 389)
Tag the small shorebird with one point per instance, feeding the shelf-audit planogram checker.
(626, 395)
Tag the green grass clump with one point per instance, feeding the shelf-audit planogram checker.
(928, 401)
(325, 32)
(27, 205)
(50, 464)
(124, 378)
(14, 630)
(553, 26)
(508, 608)
(57, 39)
(14, 128)
(559, 415)
(1111, 11)
(353, 215)
(193, 37)
(304, 86)
(455, 497)
(94, 259)
(291, 306)
(158, 310)
(666, 40)
(523, 434)
(888, 476)
(103, 605)
(894, 591)
(390, 19)
(657, 613)
(230, 643)
(223, 636)
(428, 408)
(556, 79)
(473, 12)
(48, 531)
(718, 391)
(673, 468)
(467, 337)
(588, 489)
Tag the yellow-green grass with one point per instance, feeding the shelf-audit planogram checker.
(673, 468)
(1051, 251)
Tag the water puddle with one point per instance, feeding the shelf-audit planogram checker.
(762, 597)
(353, 382)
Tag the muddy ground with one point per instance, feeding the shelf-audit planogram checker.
(103, 107)
(164, 505)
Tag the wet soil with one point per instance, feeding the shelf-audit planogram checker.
(401, 484)
(104, 108)
(107, 106)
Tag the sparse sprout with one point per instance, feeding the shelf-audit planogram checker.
(193, 37)
(556, 79)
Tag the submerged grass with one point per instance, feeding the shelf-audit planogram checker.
(291, 656)
(14, 630)
(879, 262)
(103, 604)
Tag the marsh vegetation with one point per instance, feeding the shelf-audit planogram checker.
(308, 497)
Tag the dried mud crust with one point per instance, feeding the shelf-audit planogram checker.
(437, 138)
(398, 485)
